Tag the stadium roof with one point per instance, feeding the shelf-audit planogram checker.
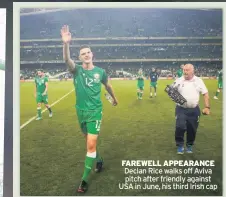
(34, 11)
(31, 11)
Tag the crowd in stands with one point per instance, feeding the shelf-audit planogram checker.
(30, 73)
(138, 52)
(133, 23)
(202, 69)
(123, 22)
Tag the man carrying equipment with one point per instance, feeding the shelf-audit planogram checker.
(220, 83)
(189, 87)
(87, 81)
(180, 71)
(140, 84)
(153, 81)
(41, 95)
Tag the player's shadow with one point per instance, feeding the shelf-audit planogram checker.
(93, 178)
(148, 100)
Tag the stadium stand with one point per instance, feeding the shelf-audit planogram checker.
(124, 40)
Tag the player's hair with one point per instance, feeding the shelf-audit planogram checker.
(83, 47)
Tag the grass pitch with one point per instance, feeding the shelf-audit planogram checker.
(52, 151)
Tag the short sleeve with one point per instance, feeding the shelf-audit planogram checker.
(104, 77)
(46, 79)
(202, 87)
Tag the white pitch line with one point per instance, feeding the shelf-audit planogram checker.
(33, 118)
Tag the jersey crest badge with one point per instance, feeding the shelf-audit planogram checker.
(96, 78)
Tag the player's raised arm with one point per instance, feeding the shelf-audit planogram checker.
(66, 38)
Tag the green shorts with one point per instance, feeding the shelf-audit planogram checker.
(89, 121)
(140, 87)
(153, 84)
(220, 85)
(42, 99)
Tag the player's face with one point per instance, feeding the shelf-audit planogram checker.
(39, 73)
(182, 66)
(153, 70)
(86, 56)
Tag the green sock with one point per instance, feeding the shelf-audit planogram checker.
(217, 93)
(141, 94)
(138, 94)
(39, 112)
(88, 167)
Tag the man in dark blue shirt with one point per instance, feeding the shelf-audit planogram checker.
(153, 81)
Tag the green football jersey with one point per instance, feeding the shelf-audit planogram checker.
(179, 73)
(220, 76)
(140, 80)
(88, 87)
(40, 84)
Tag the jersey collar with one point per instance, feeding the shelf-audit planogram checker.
(192, 79)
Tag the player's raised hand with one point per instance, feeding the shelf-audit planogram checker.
(65, 34)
